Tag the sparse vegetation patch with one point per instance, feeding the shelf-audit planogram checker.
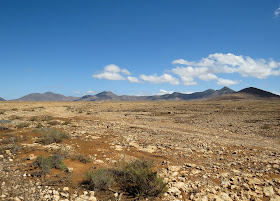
(82, 158)
(50, 136)
(138, 179)
(45, 164)
(135, 178)
(23, 125)
(101, 179)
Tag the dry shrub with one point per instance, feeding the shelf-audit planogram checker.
(50, 136)
(138, 179)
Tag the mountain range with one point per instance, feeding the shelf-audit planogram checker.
(2, 99)
(222, 94)
(48, 96)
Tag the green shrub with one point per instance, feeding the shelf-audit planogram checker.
(39, 125)
(54, 122)
(23, 125)
(66, 123)
(81, 158)
(10, 140)
(266, 126)
(51, 135)
(47, 118)
(47, 163)
(100, 179)
(14, 117)
(16, 148)
(138, 179)
(34, 118)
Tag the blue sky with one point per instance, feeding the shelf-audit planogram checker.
(138, 47)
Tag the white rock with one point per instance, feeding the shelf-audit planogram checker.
(275, 198)
(55, 197)
(268, 191)
(225, 197)
(174, 191)
(92, 198)
(65, 189)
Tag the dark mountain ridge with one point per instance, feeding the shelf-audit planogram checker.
(258, 92)
(250, 93)
(48, 96)
(222, 94)
(2, 99)
(109, 96)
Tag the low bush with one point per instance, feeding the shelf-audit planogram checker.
(138, 179)
(47, 118)
(266, 126)
(66, 123)
(82, 158)
(14, 117)
(54, 122)
(50, 136)
(23, 125)
(10, 139)
(34, 118)
(39, 125)
(47, 163)
(101, 179)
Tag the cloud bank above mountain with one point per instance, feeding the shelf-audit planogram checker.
(215, 67)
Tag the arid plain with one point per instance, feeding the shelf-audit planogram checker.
(203, 150)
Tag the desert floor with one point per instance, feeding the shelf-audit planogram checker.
(204, 150)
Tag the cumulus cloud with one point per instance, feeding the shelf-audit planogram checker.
(90, 92)
(207, 68)
(226, 82)
(162, 92)
(277, 12)
(165, 78)
(112, 72)
(276, 92)
(210, 68)
(230, 63)
(133, 79)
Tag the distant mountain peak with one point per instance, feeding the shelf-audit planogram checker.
(2, 99)
(47, 96)
(258, 92)
(106, 93)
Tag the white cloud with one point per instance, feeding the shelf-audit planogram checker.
(133, 79)
(115, 69)
(276, 92)
(112, 72)
(162, 92)
(77, 92)
(226, 82)
(277, 12)
(208, 77)
(90, 92)
(109, 76)
(160, 79)
(207, 68)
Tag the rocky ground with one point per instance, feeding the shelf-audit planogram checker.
(204, 150)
